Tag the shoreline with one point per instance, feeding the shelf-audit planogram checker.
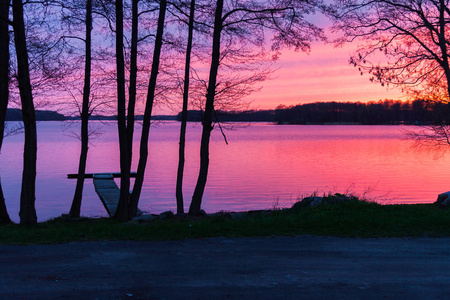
(352, 218)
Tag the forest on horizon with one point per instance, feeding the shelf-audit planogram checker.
(382, 112)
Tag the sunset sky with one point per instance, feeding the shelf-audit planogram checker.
(323, 75)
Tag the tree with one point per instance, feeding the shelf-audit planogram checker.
(122, 208)
(241, 22)
(132, 90)
(182, 146)
(28, 192)
(4, 89)
(76, 202)
(143, 151)
(411, 35)
(128, 204)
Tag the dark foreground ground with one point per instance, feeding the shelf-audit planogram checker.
(302, 267)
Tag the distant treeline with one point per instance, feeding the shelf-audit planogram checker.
(14, 114)
(237, 116)
(371, 113)
(387, 112)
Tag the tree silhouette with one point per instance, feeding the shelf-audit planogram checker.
(122, 208)
(28, 192)
(248, 22)
(84, 134)
(4, 89)
(413, 37)
(187, 68)
(143, 150)
(403, 43)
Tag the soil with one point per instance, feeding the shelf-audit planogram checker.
(301, 267)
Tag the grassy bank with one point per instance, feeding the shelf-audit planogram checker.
(351, 219)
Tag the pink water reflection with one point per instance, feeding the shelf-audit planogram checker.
(263, 165)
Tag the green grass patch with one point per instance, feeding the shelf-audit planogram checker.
(348, 219)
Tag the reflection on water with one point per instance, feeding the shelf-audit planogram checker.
(263, 165)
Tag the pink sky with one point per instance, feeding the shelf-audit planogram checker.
(323, 75)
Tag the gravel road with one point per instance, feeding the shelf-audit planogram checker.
(302, 267)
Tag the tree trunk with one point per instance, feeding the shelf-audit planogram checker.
(132, 91)
(209, 109)
(76, 203)
(28, 193)
(143, 153)
(181, 152)
(122, 208)
(443, 44)
(4, 90)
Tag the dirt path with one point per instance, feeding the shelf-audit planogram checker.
(302, 267)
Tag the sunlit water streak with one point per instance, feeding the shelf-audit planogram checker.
(264, 165)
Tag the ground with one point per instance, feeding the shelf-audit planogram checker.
(302, 267)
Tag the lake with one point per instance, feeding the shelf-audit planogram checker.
(263, 166)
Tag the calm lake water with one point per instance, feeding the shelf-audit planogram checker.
(263, 165)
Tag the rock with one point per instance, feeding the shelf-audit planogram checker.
(144, 218)
(445, 203)
(307, 202)
(326, 200)
(166, 215)
(336, 198)
(316, 201)
(442, 197)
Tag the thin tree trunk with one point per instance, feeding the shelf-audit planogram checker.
(181, 152)
(122, 208)
(443, 43)
(132, 90)
(76, 203)
(28, 193)
(143, 153)
(209, 109)
(4, 90)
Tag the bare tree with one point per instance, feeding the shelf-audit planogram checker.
(122, 209)
(405, 44)
(28, 193)
(143, 152)
(412, 36)
(4, 89)
(187, 67)
(132, 91)
(84, 134)
(239, 21)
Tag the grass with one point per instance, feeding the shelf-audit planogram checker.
(349, 219)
